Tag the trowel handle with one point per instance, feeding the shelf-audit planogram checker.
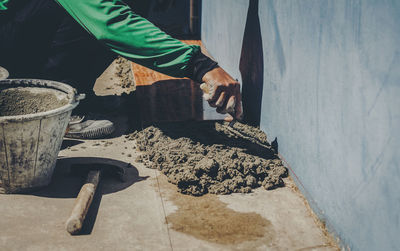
(82, 203)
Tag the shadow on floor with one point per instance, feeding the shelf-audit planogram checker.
(69, 143)
(67, 184)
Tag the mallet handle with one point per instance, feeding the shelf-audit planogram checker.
(82, 203)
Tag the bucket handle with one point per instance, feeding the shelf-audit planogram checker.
(79, 97)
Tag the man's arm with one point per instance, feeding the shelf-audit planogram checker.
(3, 4)
(114, 23)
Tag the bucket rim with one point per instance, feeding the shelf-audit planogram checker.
(3, 73)
(72, 96)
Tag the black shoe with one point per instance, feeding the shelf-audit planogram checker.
(91, 127)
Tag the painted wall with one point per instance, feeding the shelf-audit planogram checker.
(331, 95)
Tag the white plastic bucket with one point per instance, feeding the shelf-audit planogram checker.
(30, 143)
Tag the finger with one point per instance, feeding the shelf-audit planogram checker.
(204, 88)
(215, 97)
(228, 118)
(212, 104)
(215, 93)
(238, 104)
(221, 100)
(230, 106)
(206, 91)
(239, 112)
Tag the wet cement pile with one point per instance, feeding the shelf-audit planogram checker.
(124, 72)
(204, 157)
(21, 101)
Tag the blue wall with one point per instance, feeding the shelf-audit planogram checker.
(331, 96)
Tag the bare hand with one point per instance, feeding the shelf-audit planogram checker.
(223, 92)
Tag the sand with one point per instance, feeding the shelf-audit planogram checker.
(22, 101)
(206, 157)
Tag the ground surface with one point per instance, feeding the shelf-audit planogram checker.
(147, 213)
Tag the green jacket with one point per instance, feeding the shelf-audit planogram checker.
(114, 24)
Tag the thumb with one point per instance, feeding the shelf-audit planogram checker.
(206, 91)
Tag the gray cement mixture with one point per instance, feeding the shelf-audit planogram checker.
(22, 101)
(124, 72)
(206, 157)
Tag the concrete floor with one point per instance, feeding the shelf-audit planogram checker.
(132, 215)
(146, 213)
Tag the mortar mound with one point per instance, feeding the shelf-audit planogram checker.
(124, 72)
(204, 157)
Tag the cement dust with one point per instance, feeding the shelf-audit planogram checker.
(204, 157)
(207, 218)
(28, 100)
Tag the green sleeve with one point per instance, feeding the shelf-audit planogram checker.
(114, 23)
(3, 4)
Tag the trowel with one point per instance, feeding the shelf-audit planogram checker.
(234, 126)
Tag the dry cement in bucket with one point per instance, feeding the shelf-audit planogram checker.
(33, 117)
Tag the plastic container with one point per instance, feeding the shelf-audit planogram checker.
(30, 143)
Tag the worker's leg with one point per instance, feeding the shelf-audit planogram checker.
(75, 57)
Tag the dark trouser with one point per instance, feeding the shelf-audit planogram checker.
(39, 39)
